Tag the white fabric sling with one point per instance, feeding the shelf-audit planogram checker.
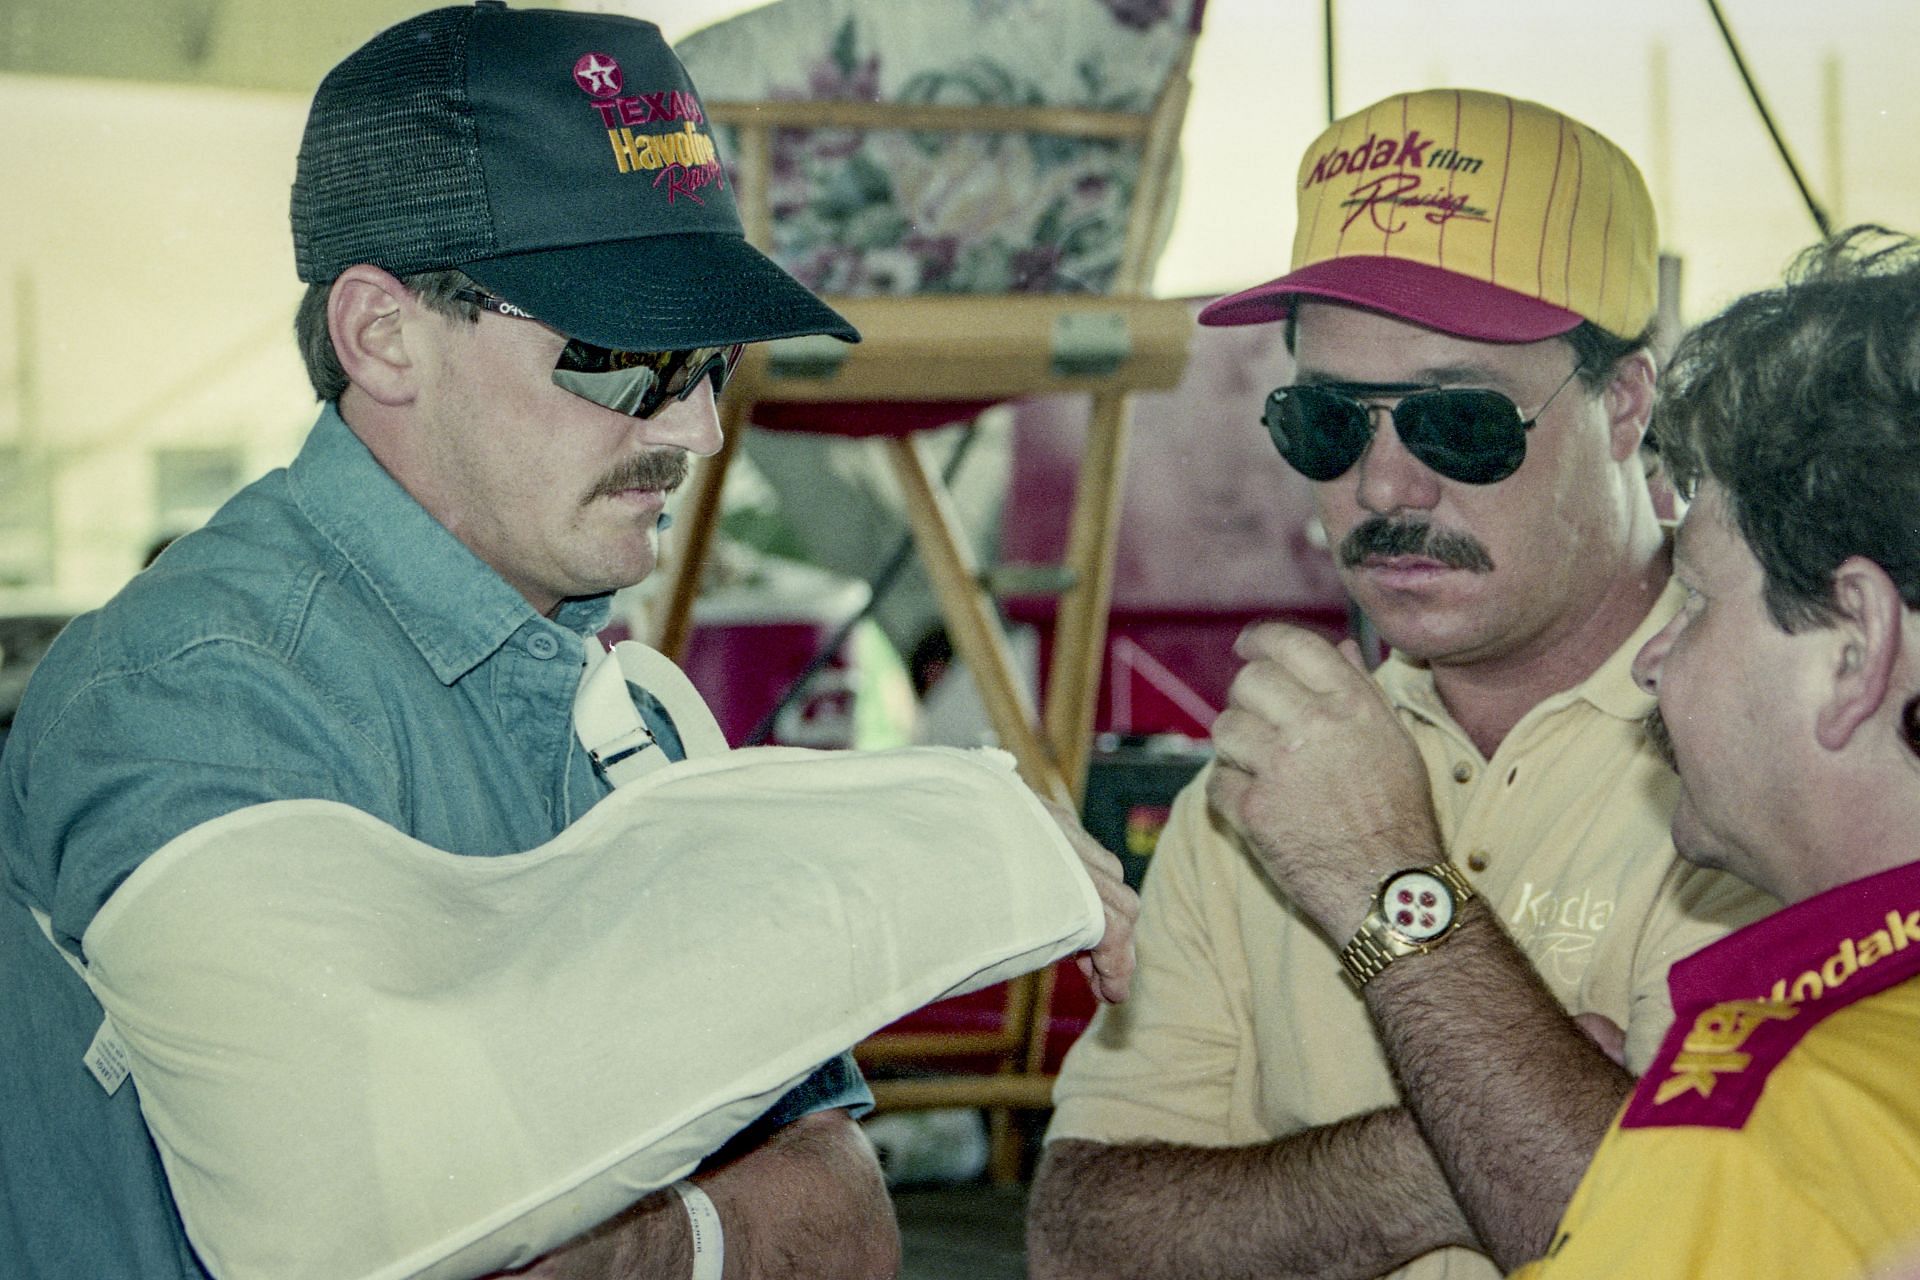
(360, 1056)
(609, 726)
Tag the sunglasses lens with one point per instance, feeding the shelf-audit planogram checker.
(1473, 436)
(1320, 433)
(638, 383)
(701, 362)
(630, 391)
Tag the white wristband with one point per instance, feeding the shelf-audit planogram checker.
(709, 1245)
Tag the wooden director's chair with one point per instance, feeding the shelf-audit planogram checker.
(936, 355)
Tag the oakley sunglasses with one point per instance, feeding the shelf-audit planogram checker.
(636, 383)
(1469, 434)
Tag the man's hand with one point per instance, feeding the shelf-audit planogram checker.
(1109, 966)
(1317, 775)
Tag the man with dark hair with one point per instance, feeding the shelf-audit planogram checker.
(527, 282)
(1362, 1038)
(1777, 1131)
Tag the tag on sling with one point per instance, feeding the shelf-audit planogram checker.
(106, 1058)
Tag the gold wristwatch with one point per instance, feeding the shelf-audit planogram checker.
(1414, 911)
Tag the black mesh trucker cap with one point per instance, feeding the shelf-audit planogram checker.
(563, 160)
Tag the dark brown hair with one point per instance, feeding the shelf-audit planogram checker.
(1802, 403)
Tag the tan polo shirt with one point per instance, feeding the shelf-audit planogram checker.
(1241, 1027)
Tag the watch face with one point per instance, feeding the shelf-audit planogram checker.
(1418, 906)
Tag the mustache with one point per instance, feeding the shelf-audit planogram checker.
(1659, 739)
(657, 469)
(1379, 536)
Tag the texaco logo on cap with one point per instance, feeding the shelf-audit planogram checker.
(598, 74)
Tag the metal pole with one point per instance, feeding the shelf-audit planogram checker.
(1766, 118)
(1834, 111)
(1660, 151)
(1327, 24)
(36, 453)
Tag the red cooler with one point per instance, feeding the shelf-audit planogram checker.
(751, 641)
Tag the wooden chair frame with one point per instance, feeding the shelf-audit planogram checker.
(1051, 746)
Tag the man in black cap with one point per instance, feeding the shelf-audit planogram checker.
(527, 281)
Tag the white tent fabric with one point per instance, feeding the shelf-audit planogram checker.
(364, 1057)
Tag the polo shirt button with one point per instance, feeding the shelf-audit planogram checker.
(542, 646)
(1477, 860)
(1462, 772)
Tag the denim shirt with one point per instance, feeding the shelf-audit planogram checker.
(323, 637)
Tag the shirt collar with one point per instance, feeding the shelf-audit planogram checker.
(1742, 1004)
(1802, 937)
(451, 604)
(1610, 689)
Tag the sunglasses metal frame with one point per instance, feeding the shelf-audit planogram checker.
(607, 375)
(1492, 458)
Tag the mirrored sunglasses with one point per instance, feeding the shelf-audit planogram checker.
(1469, 434)
(636, 383)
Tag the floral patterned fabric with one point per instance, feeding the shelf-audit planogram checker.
(881, 213)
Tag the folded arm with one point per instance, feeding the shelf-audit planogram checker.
(1348, 1200)
(1510, 1094)
(1355, 1197)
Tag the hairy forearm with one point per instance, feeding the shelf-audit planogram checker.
(807, 1202)
(1511, 1097)
(1353, 1199)
(1508, 1091)
(810, 1202)
(649, 1239)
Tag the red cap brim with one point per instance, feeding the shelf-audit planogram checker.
(1426, 295)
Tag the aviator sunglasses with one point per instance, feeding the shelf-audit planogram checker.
(1469, 434)
(636, 383)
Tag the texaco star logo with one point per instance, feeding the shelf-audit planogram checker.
(598, 74)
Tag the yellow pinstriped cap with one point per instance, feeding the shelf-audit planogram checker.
(1472, 213)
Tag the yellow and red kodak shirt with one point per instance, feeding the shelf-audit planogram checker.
(1777, 1132)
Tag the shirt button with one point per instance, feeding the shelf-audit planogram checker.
(1462, 772)
(1477, 860)
(542, 646)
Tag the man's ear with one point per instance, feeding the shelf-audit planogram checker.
(1628, 399)
(1866, 652)
(367, 314)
